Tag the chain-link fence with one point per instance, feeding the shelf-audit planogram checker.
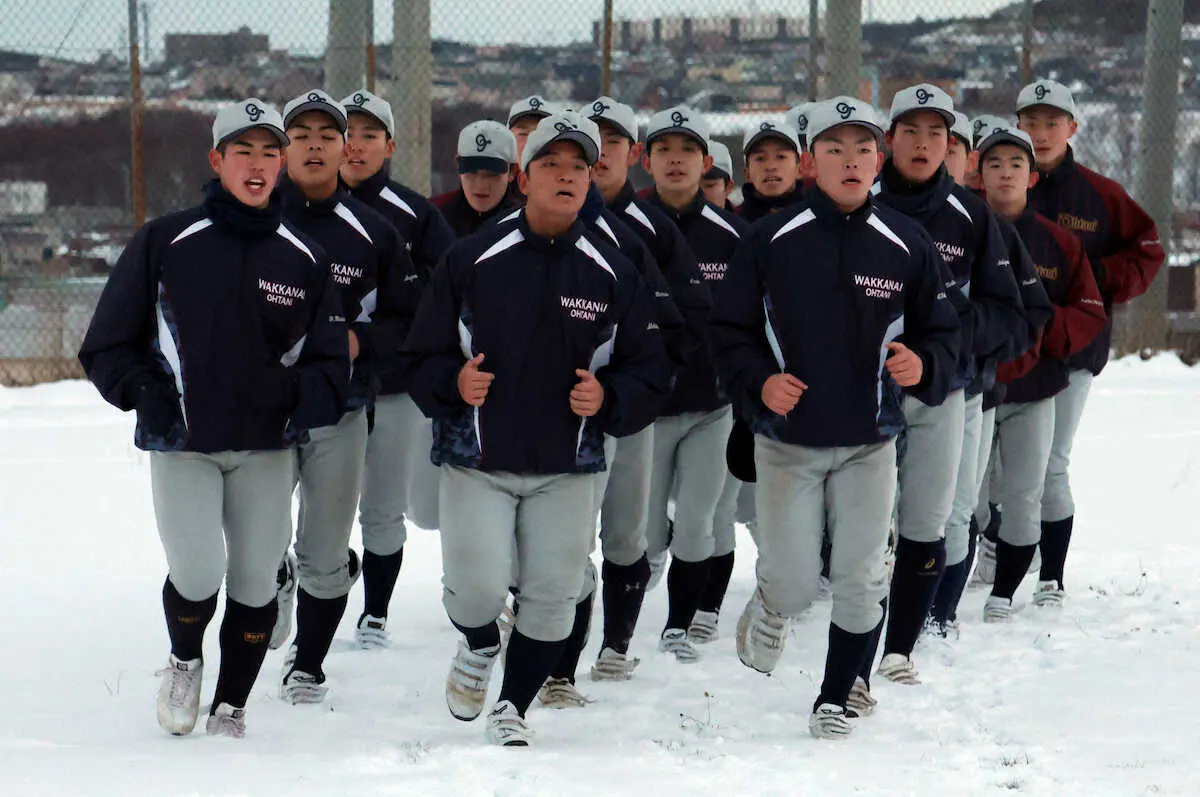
(106, 105)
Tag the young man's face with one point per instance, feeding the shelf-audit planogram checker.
(716, 190)
(1007, 175)
(956, 159)
(617, 154)
(772, 167)
(521, 129)
(317, 150)
(846, 161)
(368, 147)
(676, 162)
(918, 143)
(484, 190)
(557, 183)
(249, 166)
(1051, 129)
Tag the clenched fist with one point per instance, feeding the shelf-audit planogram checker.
(473, 384)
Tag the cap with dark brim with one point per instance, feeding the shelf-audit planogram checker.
(316, 105)
(590, 153)
(678, 131)
(279, 134)
(477, 164)
(947, 116)
(998, 137)
(716, 174)
(761, 135)
(353, 109)
(538, 114)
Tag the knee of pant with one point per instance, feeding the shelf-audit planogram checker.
(589, 581)
(196, 584)
(925, 529)
(858, 614)
(724, 541)
(957, 539)
(692, 547)
(790, 597)
(1021, 530)
(546, 620)
(622, 546)
(657, 534)
(253, 591)
(326, 585)
(477, 605)
(384, 539)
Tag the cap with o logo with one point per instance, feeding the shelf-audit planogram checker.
(364, 102)
(985, 124)
(536, 106)
(486, 146)
(797, 119)
(315, 100)
(1047, 92)
(962, 128)
(722, 162)
(764, 130)
(680, 119)
(617, 114)
(562, 127)
(923, 97)
(1007, 135)
(247, 114)
(841, 111)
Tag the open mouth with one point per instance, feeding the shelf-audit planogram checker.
(920, 160)
(314, 162)
(675, 174)
(356, 162)
(771, 179)
(565, 194)
(851, 181)
(255, 185)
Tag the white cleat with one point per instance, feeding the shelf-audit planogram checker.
(227, 721)
(179, 695)
(506, 727)
(997, 610)
(831, 722)
(860, 700)
(898, 669)
(614, 666)
(675, 641)
(371, 633)
(1049, 595)
(761, 634)
(285, 598)
(703, 629)
(561, 693)
(985, 565)
(297, 686)
(468, 679)
(658, 566)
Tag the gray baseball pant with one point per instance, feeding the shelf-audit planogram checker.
(689, 463)
(929, 468)
(1057, 502)
(329, 470)
(725, 516)
(988, 473)
(400, 480)
(623, 496)
(966, 488)
(1024, 437)
(551, 519)
(799, 492)
(223, 517)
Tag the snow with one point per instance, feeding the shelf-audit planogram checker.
(1099, 699)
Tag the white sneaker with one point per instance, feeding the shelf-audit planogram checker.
(997, 610)
(285, 598)
(179, 695)
(297, 686)
(561, 693)
(985, 564)
(227, 721)
(468, 679)
(506, 727)
(371, 633)
(831, 722)
(761, 634)
(703, 629)
(675, 641)
(899, 669)
(1049, 595)
(860, 700)
(614, 666)
(658, 566)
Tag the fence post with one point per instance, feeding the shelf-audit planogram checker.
(371, 55)
(1156, 156)
(1027, 44)
(814, 50)
(843, 41)
(606, 57)
(412, 76)
(137, 180)
(345, 60)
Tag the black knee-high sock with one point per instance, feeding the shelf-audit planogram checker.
(720, 570)
(685, 585)
(573, 645)
(846, 653)
(186, 621)
(245, 632)
(954, 581)
(1056, 539)
(481, 638)
(872, 646)
(1012, 563)
(316, 623)
(992, 531)
(622, 592)
(527, 665)
(915, 579)
(379, 574)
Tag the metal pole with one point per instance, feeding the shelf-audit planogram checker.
(344, 62)
(814, 49)
(137, 180)
(412, 82)
(1027, 44)
(1155, 159)
(843, 39)
(606, 62)
(370, 14)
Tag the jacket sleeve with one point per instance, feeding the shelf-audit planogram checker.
(667, 314)
(1080, 320)
(117, 351)
(1016, 368)
(1137, 252)
(692, 296)
(931, 328)
(436, 238)
(997, 316)
(398, 291)
(1038, 307)
(637, 380)
(324, 360)
(433, 346)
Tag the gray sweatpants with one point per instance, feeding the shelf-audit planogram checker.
(552, 521)
(929, 468)
(625, 497)
(1057, 502)
(802, 490)
(1024, 434)
(400, 481)
(223, 517)
(329, 470)
(725, 516)
(983, 512)
(689, 464)
(966, 489)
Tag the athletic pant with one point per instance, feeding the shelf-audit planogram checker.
(400, 480)
(724, 516)
(624, 496)
(689, 463)
(929, 468)
(1057, 502)
(987, 445)
(224, 517)
(802, 490)
(547, 523)
(966, 489)
(1024, 437)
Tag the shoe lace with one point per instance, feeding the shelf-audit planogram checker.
(181, 681)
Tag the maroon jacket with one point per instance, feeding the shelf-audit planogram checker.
(1120, 240)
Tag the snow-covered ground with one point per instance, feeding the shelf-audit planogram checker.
(1100, 699)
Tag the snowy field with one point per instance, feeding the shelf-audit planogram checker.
(1100, 699)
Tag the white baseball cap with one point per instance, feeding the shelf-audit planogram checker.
(535, 105)
(617, 114)
(722, 160)
(247, 114)
(797, 118)
(680, 119)
(1007, 135)
(363, 101)
(839, 111)
(985, 124)
(962, 128)
(1047, 92)
(486, 146)
(766, 130)
(922, 97)
(562, 127)
(315, 100)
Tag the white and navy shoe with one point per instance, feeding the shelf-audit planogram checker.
(658, 566)
(561, 693)
(614, 666)
(1049, 595)
(997, 610)
(227, 721)
(675, 641)
(898, 669)
(831, 722)
(371, 633)
(860, 700)
(761, 635)
(506, 727)
(285, 598)
(297, 686)
(703, 629)
(179, 695)
(468, 679)
(985, 564)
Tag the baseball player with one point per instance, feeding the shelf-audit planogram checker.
(524, 115)
(531, 342)
(772, 154)
(825, 418)
(958, 152)
(218, 327)
(717, 183)
(487, 169)
(1123, 247)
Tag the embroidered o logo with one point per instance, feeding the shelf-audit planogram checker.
(844, 109)
(359, 99)
(923, 96)
(254, 112)
(599, 107)
(481, 142)
(1041, 90)
(677, 118)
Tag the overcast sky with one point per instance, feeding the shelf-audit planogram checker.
(83, 28)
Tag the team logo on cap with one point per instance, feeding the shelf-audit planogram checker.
(535, 103)
(254, 112)
(564, 127)
(315, 97)
(359, 99)
(1041, 90)
(978, 126)
(598, 107)
(802, 123)
(844, 109)
(482, 142)
(677, 118)
(766, 126)
(923, 96)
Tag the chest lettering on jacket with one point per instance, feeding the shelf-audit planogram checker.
(279, 293)
(951, 253)
(345, 275)
(1073, 222)
(713, 271)
(583, 309)
(1047, 273)
(878, 287)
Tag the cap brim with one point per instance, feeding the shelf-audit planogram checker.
(1043, 104)
(590, 153)
(947, 116)
(475, 163)
(716, 174)
(279, 134)
(678, 131)
(996, 139)
(323, 107)
(758, 137)
(875, 129)
(620, 127)
(519, 116)
(365, 112)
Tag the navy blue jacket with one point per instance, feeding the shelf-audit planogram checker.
(210, 303)
(537, 309)
(712, 234)
(425, 234)
(818, 293)
(463, 219)
(966, 235)
(754, 205)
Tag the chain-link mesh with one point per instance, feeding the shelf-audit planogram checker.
(76, 174)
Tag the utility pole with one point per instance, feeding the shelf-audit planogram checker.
(606, 62)
(345, 55)
(814, 50)
(412, 82)
(843, 41)
(137, 180)
(1027, 44)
